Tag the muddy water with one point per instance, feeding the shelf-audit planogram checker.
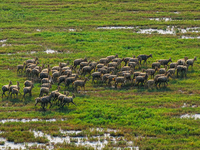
(2, 41)
(195, 116)
(28, 120)
(189, 37)
(161, 19)
(168, 30)
(99, 143)
(50, 51)
(117, 27)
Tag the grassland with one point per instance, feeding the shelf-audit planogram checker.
(153, 114)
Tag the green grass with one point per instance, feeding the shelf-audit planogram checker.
(151, 114)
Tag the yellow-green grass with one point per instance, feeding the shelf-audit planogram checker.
(152, 114)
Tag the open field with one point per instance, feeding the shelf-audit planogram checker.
(126, 117)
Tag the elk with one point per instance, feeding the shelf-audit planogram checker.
(126, 59)
(110, 58)
(68, 99)
(182, 61)
(151, 71)
(32, 60)
(144, 57)
(155, 64)
(141, 79)
(163, 79)
(28, 83)
(28, 90)
(80, 83)
(190, 62)
(20, 67)
(182, 69)
(6, 88)
(96, 75)
(14, 86)
(164, 61)
(78, 61)
(15, 91)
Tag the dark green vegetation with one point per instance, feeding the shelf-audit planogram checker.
(36, 26)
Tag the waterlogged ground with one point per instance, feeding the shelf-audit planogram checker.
(126, 117)
(76, 138)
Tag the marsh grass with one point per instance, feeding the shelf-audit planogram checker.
(23, 136)
(38, 26)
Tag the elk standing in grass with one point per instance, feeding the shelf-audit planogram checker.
(44, 90)
(20, 68)
(14, 86)
(173, 65)
(182, 69)
(61, 96)
(165, 61)
(32, 60)
(144, 57)
(78, 61)
(141, 79)
(151, 71)
(80, 83)
(190, 62)
(121, 80)
(182, 61)
(28, 83)
(110, 58)
(87, 69)
(70, 80)
(150, 83)
(55, 93)
(126, 59)
(163, 79)
(15, 91)
(44, 101)
(68, 99)
(155, 65)
(6, 88)
(96, 75)
(28, 90)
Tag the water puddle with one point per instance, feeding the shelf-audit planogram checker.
(159, 31)
(28, 120)
(5, 45)
(188, 105)
(50, 51)
(169, 30)
(161, 19)
(2, 41)
(189, 37)
(195, 116)
(117, 27)
(12, 145)
(72, 30)
(32, 52)
(97, 142)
